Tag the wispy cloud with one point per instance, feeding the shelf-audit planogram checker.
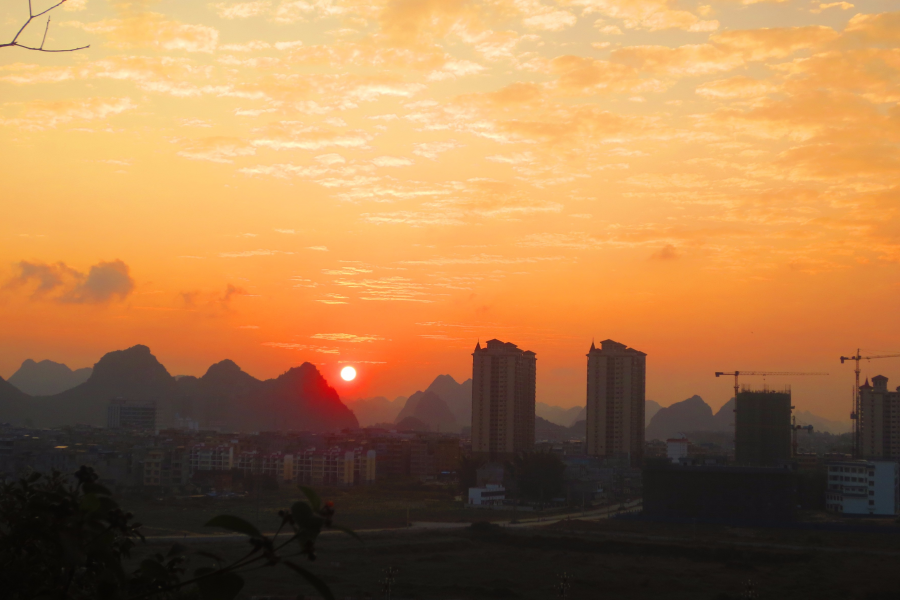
(346, 337)
(482, 259)
(295, 346)
(396, 289)
(248, 253)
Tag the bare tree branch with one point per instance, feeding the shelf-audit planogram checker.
(46, 29)
(31, 17)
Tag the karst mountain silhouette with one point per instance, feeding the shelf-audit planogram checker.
(299, 399)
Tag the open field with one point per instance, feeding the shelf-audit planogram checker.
(363, 507)
(620, 559)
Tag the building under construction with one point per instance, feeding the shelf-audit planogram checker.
(762, 427)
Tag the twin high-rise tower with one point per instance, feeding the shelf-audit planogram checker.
(616, 382)
(503, 378)
(503, 396)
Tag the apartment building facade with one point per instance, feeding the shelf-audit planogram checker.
(879, 414)
(616, 392)
(503, 399)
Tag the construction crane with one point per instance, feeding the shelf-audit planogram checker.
(758, 374)
(854, 412)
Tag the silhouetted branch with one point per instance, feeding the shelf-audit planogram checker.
(31, 17)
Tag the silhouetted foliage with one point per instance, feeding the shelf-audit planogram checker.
(538, 476)
(67, 541)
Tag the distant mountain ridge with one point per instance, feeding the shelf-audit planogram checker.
(650, 409)
(566, 417)
(544, 430)
(695, 415)
(299, 399)
(686, 416)
(46, 377)
(431, 409)
(457, 396)
(13, 402)
(445, 405)
(371, 411)
(450, 412)
(822, 424)
(559, 415)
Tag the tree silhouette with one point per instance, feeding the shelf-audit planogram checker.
(71, 542)
(31, 17)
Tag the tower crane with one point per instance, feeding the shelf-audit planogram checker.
(854, 413)
(758, 374)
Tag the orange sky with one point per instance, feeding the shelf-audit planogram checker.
(383, 183)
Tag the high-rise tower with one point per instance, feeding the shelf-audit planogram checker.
(615, 401)
(879, 426)
(503, 382)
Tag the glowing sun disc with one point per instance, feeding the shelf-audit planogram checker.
(348, 373)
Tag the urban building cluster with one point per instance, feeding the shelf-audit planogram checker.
(763, 479)
(186, 461)
(766, 475)
(759, 475)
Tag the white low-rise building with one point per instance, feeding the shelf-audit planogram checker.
(489, 495)
(863, 487)
(677, 448)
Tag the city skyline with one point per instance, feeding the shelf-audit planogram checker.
(33, 376)
(381, 184)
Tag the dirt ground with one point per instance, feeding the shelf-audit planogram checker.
(622, 559)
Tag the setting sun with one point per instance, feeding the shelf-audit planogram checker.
(348, 373)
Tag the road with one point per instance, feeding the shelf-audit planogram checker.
(540, 521)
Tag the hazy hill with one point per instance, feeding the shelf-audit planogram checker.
(822, 424)
(379, 409)
(651, 407)
(445, 405)
(559, 415)
(457, 396)
(694, 415)
(133, 374)
(724, 417)
(214, 396)
(411, 424)
(545, 430)
(46, 378)
(13, 402)
(688, 415)
(432, 410)
(569, 416)
(579, 429)
(298, 399)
